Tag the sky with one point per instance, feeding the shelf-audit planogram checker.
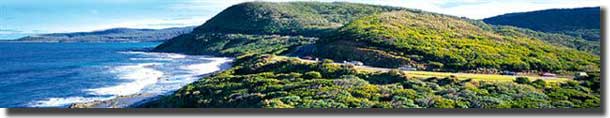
(20, 18)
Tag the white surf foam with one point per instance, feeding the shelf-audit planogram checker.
(157, 54)
(56, 102)
(139, 76)
(157, 77)
(205, 68)
(150, 59)
(183, 75)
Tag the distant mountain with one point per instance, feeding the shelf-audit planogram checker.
(111, 35)
(578, 22)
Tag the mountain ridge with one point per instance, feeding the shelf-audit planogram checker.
(455, 43)
(111, 35)
(578, 22)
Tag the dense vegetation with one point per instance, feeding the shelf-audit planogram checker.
(255, 32)
(264, 27)
(268, 82)
(293, 18)
(111, 35)
(552, 38)
(578, 22)
(233, 44)
(448, 43)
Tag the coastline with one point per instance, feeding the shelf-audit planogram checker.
(134, 100)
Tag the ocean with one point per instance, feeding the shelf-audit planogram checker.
(60, 74)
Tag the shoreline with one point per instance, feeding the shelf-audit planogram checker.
(134, 100)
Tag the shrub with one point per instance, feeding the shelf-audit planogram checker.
(522, 80)
(327, 61)
(539, 83)
(312, 75)
(440, 102)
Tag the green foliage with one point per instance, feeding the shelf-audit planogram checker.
(551, 38)
(276, 83)
(591, 81)
(579, 22)
(258, 79)
(328, 61)
(288, 18)
(233, 44)
(539, 83)
(268, 28)
(312, 75)
(522, 80)
(395, 38)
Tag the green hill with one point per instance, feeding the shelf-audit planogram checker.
(553, 38)
(287, 18)
(434, 41)
(267, 27)
(426, 40)
(578, 22)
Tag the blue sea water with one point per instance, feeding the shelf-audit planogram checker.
(59, 74)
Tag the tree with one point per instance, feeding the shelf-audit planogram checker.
(327, 61)
(522, 80)
(312, 75)
(539, 83)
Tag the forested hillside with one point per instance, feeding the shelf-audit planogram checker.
(578, 22)
(436, 41)
(295, 18)
(255, 27)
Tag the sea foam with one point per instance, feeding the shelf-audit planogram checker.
(138, 77)
(204, 68)
(155, 73)
(57, 102)
(157, 54)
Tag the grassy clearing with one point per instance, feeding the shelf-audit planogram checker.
(476, 77)
(479, 77)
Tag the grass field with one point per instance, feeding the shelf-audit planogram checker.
(480, 77)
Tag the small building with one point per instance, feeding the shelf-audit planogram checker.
(358, 63)
(307, 57)
(508, 73)
(548, 75)
(407, 68)
(581, 74)
(355, 63)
